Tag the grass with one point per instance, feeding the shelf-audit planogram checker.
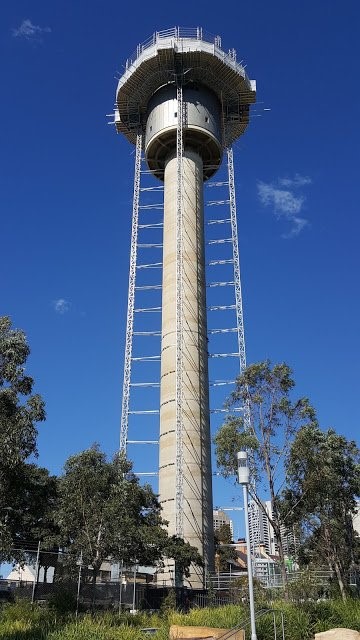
(21, 621)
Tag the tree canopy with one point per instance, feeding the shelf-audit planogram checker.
(104, 513)
(20, 411)
(273, 420)
(224, 553)
(323, 480)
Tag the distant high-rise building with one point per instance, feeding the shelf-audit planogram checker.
(260, 529)
(262, 532)
(356, 518)
(220, 518)
(290, 540)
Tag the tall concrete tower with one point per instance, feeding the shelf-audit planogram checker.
(182, 100)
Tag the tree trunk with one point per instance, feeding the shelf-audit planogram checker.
(282, 559)
(274, 523)
(335, 562)
(93, 586)
(277, 533)
(340, 579)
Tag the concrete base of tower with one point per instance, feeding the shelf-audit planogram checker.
(168, 577)
(196, 482)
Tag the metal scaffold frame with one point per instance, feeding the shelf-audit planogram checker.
(237, 277)
(131, 298)
(179, 495)
(229, 238)
(236, 259)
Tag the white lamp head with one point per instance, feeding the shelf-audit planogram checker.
(243, 469)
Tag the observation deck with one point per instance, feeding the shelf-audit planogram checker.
(189, 56)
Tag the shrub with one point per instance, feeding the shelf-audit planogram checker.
(304, 588)
(62, 601)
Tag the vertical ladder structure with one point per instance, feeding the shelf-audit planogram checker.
(179, 497)
(140, 422)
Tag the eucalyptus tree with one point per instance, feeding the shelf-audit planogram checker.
(273, 420)
(323, 481)
(20, 411)
(104, 513)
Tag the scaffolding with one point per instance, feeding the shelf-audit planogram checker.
(179, 317)
(141, 399)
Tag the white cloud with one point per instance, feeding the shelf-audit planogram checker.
(285, 202)
(298, 225)
(30, 31)
(61, 306)
(296, 181)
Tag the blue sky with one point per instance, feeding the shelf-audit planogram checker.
(66, 192)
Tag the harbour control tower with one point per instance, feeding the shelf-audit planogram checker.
(182, 101)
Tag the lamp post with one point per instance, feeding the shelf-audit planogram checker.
(133, 610)
(243, 479)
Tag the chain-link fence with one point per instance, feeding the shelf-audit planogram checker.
(54, 576)
(50, 575)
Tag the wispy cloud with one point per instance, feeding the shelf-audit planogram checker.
(61, 306)
(285, 201)
(30, 31)
(296, 181)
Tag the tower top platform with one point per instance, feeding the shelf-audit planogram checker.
(190, 56)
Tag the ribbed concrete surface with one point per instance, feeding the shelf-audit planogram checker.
(197, 514)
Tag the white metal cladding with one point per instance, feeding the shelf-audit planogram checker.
(202, 112)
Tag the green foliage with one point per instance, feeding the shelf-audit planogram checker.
(324, 508)
(240, 591)
(63, 600)
(274, 421)
(169, 603)
(223, 554)
(20, 410)
(297, 624)
(304, 588)
(23, 622)
(223, 534)
(183, 554)
(228, 616)
(34, 504)
(265, 627)
(105, 513)
(229, 439)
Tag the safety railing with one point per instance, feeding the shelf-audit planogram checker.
(245, 624)
(179, 33)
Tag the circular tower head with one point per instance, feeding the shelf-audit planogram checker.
(216, 94)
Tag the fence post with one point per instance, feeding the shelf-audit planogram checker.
(36, 578)
(120, 585)
(134, 590)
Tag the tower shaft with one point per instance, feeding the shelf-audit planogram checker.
(195, 429)
(189, 100)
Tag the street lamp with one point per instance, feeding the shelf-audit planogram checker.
(243, 479)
